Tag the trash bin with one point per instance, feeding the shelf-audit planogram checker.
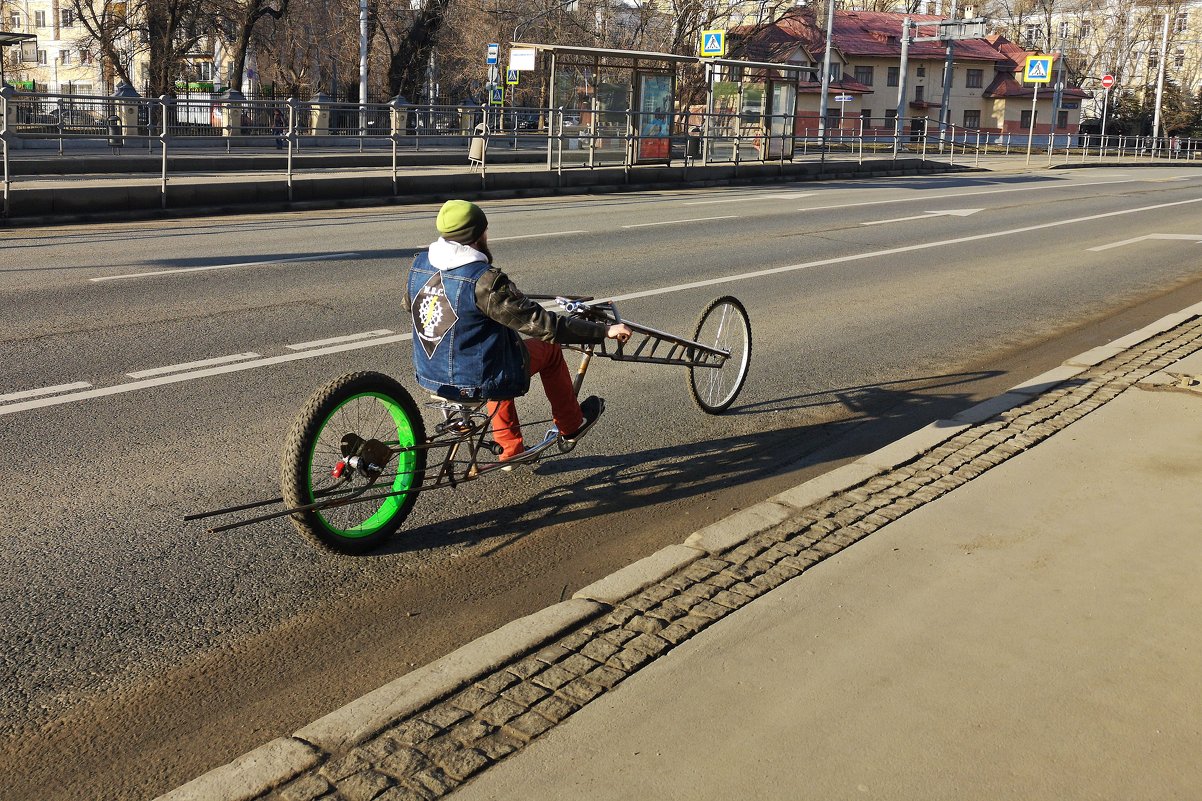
(477, 146)
(693, 146)
(116, 140)
(129, 111)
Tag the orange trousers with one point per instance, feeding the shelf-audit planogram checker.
(546, 361)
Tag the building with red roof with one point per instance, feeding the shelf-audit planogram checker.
(986, 95)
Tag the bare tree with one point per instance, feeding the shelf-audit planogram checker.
(237, 20)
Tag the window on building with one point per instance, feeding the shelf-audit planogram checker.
(204, 70)
(893, 76)
(1153, 60)
(918, 93)
(864, 75)
(14, 21)
(1086, 28)
(85, 56)
(972, 119)
(39, 19)
(1157, 23)
(1024, 121)
(922, 71)
(866, 114)
(951, 79)
(1182, 21)
(42, 58)
(1061, 119)
(66, 18)
(974, 78)
(1032, 34)
(891, 114)
(64, 57)
(836, 72)
(1065, 30)
(1179, 59)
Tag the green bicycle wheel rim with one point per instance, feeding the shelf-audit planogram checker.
(404, 476)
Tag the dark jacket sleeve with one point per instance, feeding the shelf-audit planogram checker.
(500, 300)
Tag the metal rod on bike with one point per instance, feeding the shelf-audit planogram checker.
(581, 370)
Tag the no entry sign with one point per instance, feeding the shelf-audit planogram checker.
(1107, 81)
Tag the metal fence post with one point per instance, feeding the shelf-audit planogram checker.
(165, 103)
(925, 122)
(861, 140)
(292, 111)
(631, 143)
(977, 158)
(396, 124)
(6, 93)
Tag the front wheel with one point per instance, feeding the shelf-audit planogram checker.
(723, 325)
(357, 438)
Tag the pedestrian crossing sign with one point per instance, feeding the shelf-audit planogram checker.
(713, 44)
(1038, 69)
(511, 77)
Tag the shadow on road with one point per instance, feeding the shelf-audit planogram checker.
(869, 416)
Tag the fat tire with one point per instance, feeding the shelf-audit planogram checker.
(295, 464)
(742, 367)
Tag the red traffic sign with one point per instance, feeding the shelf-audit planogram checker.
(1107, 81)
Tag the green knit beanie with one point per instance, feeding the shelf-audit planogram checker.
(461, 221)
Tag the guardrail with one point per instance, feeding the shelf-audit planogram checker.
(569, 139)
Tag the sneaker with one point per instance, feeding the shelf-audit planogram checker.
(591, 407)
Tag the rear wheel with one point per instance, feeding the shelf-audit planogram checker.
(723, 325)
(355, 438)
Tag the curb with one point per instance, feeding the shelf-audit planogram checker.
(641, 586)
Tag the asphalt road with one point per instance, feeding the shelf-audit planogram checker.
(139, 651)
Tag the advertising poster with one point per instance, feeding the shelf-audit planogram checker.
(655, 118)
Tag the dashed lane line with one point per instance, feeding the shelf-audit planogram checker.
(317, 343)
(691, 220)
(534, 236)
(925, 197)
(179, 368)
(210, 267)
(35, 393)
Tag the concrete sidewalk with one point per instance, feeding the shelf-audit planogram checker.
(1017, 619)
(1031, 635)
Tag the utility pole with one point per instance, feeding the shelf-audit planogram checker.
(362, 67)
(1164, 55)
(826, 68)
(903, 70)
(1057, 95)
(945, 106)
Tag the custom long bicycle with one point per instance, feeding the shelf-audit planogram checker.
(359, 454)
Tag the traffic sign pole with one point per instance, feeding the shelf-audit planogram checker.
(1107, 83)
(1031, 129)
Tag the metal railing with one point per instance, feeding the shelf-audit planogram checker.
(561, 138)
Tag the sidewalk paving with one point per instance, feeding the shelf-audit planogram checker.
(1017, 619)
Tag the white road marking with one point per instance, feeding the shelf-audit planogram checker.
(317, 343)
(888, 252)
(179, 368)
(740, 199)
(927, 215)
(925, 197)
(673, 222)
(1176, 237)
(37, 403)
(322, 257)
(532, 236)
(34, 393)
(175, 378)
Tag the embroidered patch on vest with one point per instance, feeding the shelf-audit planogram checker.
(433, 316)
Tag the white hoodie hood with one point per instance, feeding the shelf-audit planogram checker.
(445, 255)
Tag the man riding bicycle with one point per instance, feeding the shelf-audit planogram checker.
(467, 315)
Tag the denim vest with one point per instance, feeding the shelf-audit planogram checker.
(460, 353)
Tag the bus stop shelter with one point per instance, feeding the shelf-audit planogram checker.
(628, 103)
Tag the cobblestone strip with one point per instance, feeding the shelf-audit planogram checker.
(433, 751)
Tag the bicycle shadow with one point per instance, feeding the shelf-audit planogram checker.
(590, 485)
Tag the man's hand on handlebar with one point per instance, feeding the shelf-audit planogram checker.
(619, 332)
